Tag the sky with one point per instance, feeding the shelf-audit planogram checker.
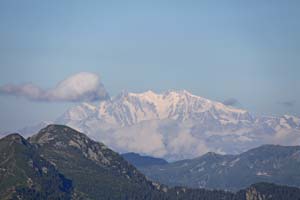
(244, 53)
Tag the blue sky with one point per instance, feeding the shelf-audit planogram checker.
(246, 50)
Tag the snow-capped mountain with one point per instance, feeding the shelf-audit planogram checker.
(129, 109)
(177, 125)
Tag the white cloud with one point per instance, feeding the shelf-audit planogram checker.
(152, 137)
(83, 86)
(143, 138)
(184, 145)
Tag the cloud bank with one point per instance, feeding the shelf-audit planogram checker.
(83, 86)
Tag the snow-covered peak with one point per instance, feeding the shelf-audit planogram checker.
(183, 97)
(131, 108)
(182, 93)
(146, 96)
(89, 106)
(78, 113)
(177, 125)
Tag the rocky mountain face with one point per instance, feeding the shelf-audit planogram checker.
(178, 125)
(138, 160)
(95, 170)
(268, 163)
(61, 163)
(24, 174)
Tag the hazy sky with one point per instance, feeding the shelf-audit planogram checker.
(245, 51)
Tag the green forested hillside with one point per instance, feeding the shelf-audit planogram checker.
(268, 163)
(24, 174)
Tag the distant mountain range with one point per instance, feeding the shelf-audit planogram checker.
(268, 163)
(143, 161)
(61, 163)
(177, 125)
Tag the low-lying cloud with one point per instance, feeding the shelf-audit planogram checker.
(83, 86)
(231, 102)
(288, 104)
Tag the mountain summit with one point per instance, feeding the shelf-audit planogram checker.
(131, 108)
(178, 125)
(97, 172)
(24, 174)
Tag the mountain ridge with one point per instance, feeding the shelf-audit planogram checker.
(93, 171)
(96, 170)
(267, 163)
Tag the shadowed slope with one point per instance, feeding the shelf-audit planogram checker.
(24, 174)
